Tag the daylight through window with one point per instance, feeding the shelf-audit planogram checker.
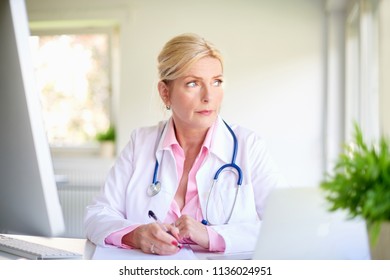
(73, 77)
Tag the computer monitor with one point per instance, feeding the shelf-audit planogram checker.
(29, 203)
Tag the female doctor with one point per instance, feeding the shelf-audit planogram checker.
(205, 180)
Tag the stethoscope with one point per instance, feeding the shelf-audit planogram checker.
(155, 187)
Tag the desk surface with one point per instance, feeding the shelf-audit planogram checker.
(87, 248)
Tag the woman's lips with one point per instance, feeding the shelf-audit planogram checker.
(205, 112)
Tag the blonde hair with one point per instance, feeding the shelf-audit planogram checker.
(181, 52)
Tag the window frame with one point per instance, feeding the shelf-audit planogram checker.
(362, 68)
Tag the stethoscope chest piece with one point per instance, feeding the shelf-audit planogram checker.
(154, 189)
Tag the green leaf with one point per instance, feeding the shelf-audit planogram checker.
(360, 181)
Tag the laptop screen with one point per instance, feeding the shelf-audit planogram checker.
(298, 225)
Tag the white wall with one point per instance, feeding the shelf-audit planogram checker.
(274, 66)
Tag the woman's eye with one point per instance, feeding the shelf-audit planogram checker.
(191, 84)
(217, 83)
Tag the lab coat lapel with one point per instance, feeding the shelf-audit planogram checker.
(167, 175)
(222, 142)
(221, 151)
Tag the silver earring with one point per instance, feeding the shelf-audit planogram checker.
(168, 107)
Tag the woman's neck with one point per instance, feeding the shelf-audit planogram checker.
(190, 139)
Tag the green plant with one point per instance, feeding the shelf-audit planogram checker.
(360, 182)
(108, 135)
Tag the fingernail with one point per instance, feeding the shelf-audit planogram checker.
(174, 243)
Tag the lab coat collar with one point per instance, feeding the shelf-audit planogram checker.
(163, 128)
(221, 141)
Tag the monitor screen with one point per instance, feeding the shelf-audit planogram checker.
(29, 202)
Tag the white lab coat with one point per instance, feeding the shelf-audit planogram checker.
(124, 200)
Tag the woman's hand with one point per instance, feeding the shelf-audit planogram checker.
(153, 239)
(192, 230)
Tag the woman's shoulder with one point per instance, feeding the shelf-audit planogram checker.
(147, 131)
(245, 133)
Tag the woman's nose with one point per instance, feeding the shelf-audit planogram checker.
(206, 94)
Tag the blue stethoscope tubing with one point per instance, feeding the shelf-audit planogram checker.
(233, 165)
(233, 162)
(155, 187)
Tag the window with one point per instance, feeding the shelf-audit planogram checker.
(384, 66)
(362, 66)
(74, 79)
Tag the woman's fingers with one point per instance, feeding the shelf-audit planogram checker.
(173, 230)
(152, 239)
(192, 230)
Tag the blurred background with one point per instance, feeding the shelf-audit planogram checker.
(298, 72)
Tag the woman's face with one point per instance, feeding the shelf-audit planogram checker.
(195, 98)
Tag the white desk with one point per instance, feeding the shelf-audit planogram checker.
(87, 248)
(94, 269)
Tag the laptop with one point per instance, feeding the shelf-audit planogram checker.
(298, 225)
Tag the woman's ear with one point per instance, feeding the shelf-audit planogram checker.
(163, 90)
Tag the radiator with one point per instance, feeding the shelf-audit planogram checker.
(78, 183)
(74, 200)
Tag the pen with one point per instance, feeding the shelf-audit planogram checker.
(154, 217)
